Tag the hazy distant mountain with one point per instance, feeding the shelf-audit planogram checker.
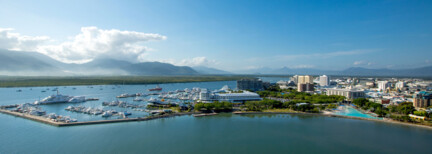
(208, 70)
(422, 71)
(25, 63)
(286, 70)
(353, 71)
(32, 63)
(157, 68)
(367, 71)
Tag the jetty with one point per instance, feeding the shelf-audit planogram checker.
(63, 124)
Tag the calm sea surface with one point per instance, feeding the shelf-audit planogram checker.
(224, 133)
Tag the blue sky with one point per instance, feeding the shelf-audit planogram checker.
(237, 35)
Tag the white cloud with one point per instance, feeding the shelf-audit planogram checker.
(359, 62)
(93, 42)
(196, 61)
(90, 43)
(16, 41)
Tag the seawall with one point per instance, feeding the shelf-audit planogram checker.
(63, 124)
(341, 116)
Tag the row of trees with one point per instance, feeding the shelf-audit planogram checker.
(267, 104)
(215, 106)
(302, 96)
(400, 110)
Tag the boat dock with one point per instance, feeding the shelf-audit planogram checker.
(63, 124)
(9, 106)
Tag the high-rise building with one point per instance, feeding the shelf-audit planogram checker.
(303, 79)
(294, 79)
(303, 87)
(422, 99)
(250, 84)
(400, 85)
(324, 80)
(383, 85)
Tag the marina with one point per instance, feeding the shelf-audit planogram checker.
(62, 124)
(87, 104)
(143, 122)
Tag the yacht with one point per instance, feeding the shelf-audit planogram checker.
(155, 89)
(78, 99)
(125, 95)
(54, 99)
(59, 98)
(106, 114)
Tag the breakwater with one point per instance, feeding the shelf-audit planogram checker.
(63, 124)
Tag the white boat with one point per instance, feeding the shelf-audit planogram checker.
(78, 99)
(106, 114)
(59, 98)
(155, 101)
(138, 99)
(54, 99)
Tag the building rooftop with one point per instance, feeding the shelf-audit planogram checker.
(350, 90)
(244, 93)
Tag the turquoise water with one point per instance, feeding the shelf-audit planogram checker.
(224, 133)
(350, 111)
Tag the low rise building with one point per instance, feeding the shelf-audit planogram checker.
(229, 96)
(350, 94)
(286, 84)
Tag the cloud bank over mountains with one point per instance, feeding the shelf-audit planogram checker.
(193, 62)
(16, 41)
(89, 44)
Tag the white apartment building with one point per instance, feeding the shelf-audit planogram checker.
(324, 80)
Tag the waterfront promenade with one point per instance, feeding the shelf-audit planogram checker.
(63, 124)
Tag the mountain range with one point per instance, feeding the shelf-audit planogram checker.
(32, 63)
(352, 71)
(36, 64)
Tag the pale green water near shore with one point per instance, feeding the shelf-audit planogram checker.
(350, 111)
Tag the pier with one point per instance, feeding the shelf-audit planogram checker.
(63, 124)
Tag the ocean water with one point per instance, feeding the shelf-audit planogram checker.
(224, 133)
